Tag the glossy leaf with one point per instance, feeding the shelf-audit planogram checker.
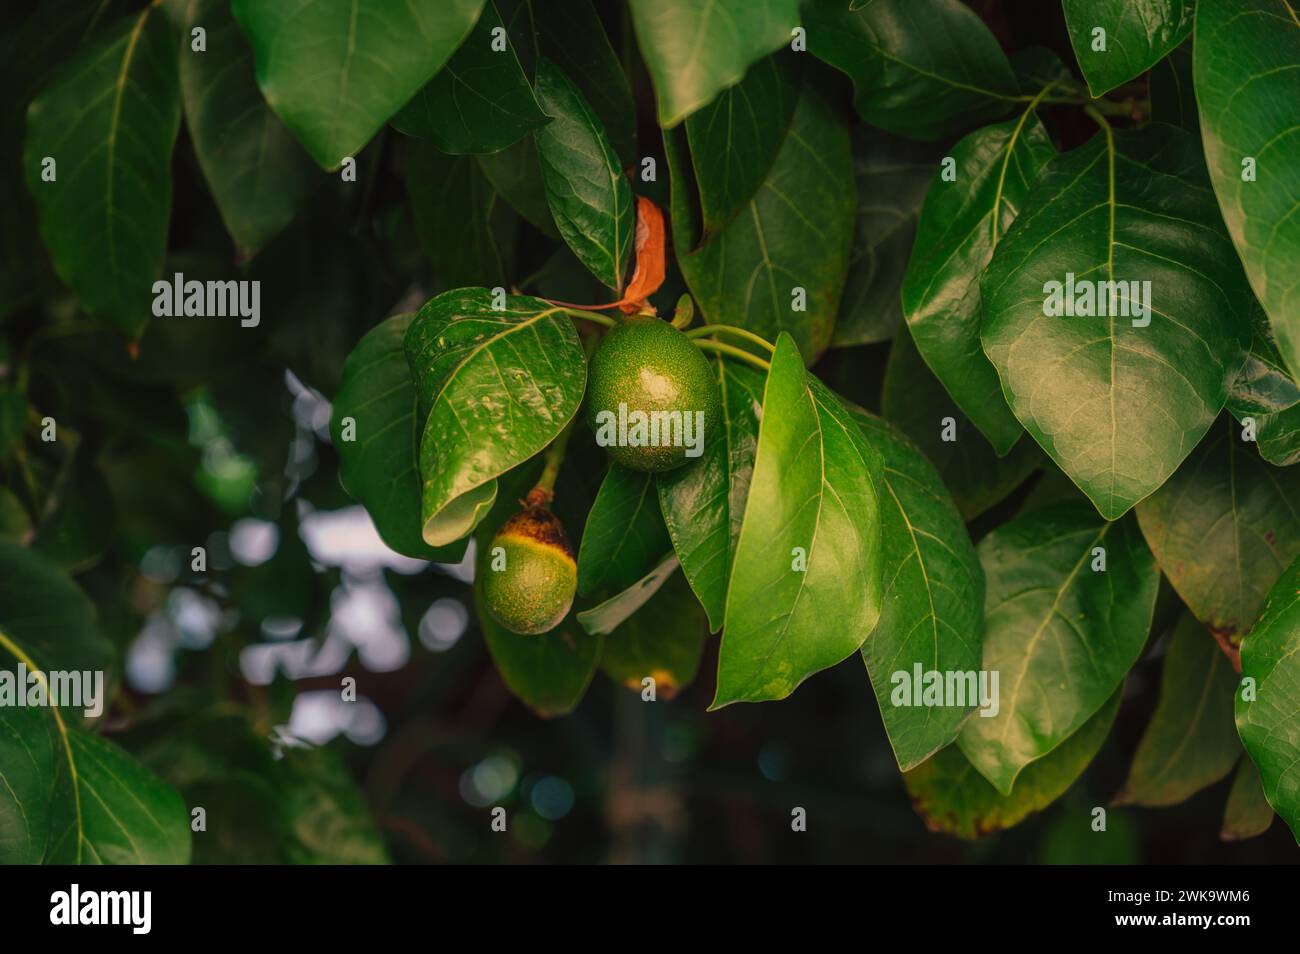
(109, 119)
(1118, 401)
(607, 616)
(920, 68)
(1138, 34)
(378, 465)
(1224, 528)
(336, 70)
(1248, 812)
(480, 101)
(703, 503)
(1191, 741)
(806, 584)
(952, 797)
(516, 175)
(695, 49)
(663, 641)
(961, 224)
(735, 139)
(1247, 86)
(915, 401)
(892, 177)
(258, 173)
(1268, 721)
(1061, 632)
(588, 194)
(625, 533)
(795, 234)
(932, 606)
(493, 389)
(1264, 385)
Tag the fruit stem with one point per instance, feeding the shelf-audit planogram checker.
(543, 491)
(703, 330)
(605, 320)
(732, 351)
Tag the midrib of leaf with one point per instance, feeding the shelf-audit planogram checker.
(347, 63)
(1006, 159)
(14, 649)
(111, 145)
(946, 81)
(1215, 659)
(1291, 10)
(526, 323)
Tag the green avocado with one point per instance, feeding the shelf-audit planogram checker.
(643, 372)
(529, 583)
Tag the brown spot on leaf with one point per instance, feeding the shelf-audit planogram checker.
(1229, 642)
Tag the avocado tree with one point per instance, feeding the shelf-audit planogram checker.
(779, 335)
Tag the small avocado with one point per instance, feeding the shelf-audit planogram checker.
(530, 582)
(646, 365)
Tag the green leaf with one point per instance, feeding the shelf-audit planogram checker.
(609, 615)
(1247, 85)
(1224, 528)
(445, 189)
(735, 139)
(695, 49)
(1173, 97)
(806, 584)
(892, 176)
(109, 120)
(1191, 740)
(588, 194)
(796, 233)
(516, 175)
(1061, 632)
(664, 642)
(82, 526)
(571, 35)
(624, 534)
(961, 224)
(1248, 812)
(1118, 401)
(1138, 34)
(336, 70)
(258, 173)
(703, 503)
(480, 101)
(954, 798)
(378, 464)
(1279, 437)
(326, 812)
(915, 401)
(26, 769)
(549, 673)
(931, 611)
(1264, 385)
(1268, 720)
(494, 388)
(923, 69)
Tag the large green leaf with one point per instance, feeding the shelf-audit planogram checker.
(1268, 719)
(663, 641)
(806, 582)
(1118, 401)
(588, 194)
(961, 223)
(697, 48)
(1191, 741)
(378, 466)
(796, 234)
(480, 101)
(1061, 631)
(493, 389)
(516, 175)
(952, 797)
(109, 119)
(1247, 86)
(336, 70)
(258, 173)
(703, 503)
(445, 189)
(913, 399)
(932, 608)
(1248, 812)
(735, 139)
(605, 617)
(892, 176)
(1138, 34)
(1264, 385)
(920, 68)
(625, 533)
(1224, 528)
(26, 770)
